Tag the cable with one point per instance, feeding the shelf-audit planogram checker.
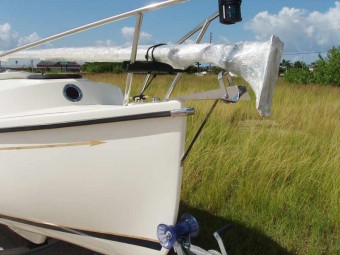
(152, 48)
(304, 53)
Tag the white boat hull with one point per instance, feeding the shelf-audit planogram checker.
(104, 183)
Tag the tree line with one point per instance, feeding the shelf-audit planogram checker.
(325, 71)
(106, 67)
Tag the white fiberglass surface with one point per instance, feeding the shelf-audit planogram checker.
(24, 97)
(127, 184)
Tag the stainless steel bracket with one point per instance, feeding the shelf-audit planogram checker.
(183, 112)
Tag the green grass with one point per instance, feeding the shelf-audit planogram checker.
(277, 180)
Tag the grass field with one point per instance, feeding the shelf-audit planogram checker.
(277, 180)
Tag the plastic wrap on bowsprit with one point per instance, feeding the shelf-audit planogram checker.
(257, 62)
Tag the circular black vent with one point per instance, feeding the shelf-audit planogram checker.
(72, 93)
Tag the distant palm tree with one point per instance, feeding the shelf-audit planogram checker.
(300, 64)
(286, 64)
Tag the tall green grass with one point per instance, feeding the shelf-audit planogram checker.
(277, 180)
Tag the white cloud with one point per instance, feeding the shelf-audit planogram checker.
(104, 43)
(128, 33)
(10, 39)
(28, 39)
(299, 29)
(224, 39)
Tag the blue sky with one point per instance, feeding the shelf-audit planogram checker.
(303, 25)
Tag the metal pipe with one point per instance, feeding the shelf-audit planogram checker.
(138, 28)
(172, 86)
(196, 29)
(129, 79)
(128, 88)
(145, 84)
(147, 8)
(204, 27)
(183, 112)
(203, 31)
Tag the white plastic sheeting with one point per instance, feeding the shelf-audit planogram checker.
(256, 62)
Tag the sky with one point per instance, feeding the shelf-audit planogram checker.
(305, 26)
